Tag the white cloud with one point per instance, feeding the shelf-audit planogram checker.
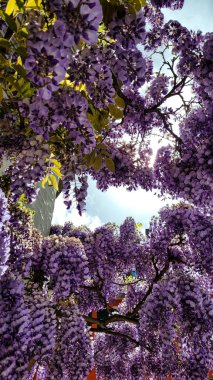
(62, 215)
(137, 201)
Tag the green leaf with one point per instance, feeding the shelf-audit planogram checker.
(55, 139)
(26, 90)
(3, 61)
(109, 9)
(110, 164)
(23, 32)
(20, 70)
(120, 102)
(90, 158)
(22, 51)
(98, 118)
(9, 21)
(20, 4)
(5, 43)
(115, 112)
(14, 83)
(97, 163)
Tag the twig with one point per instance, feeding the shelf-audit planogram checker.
(157, 278)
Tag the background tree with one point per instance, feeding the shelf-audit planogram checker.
(79, 97)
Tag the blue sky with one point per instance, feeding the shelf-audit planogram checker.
(117, 203)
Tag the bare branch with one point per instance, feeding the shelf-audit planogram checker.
(93, 321)
(111, 319)
(116, 333)
(121, 318)
(154, 262)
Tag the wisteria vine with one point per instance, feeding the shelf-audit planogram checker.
(80, 95)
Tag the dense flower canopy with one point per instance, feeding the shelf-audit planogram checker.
(80, 96)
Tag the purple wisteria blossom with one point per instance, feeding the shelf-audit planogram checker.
(129, 66)
(128, 29)
(67, 110)
(79, 18)
(47, 60)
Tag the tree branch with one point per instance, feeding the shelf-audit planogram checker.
(154, 262)
(111, 319)
(116, 333)
(166, 126)
(94, 321)
(121, 318)
(171, 93)
(157, 278)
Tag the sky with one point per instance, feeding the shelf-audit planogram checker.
(116, 204)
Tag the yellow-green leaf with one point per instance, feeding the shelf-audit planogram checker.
(5, 43)
(22, 51)
(143, 3)
(81, 87)
(54, 181)
(3, 61)
(11, 4)
(120, 102)
(56, 171)
(139, 225)
(14, 83)
(9, 20)
(27, 91)
(137, 4)
(101, 28)
(33, 4)
(110, 164)
(22, 198)
(44, 181)
(20, 70)
(56, 163)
